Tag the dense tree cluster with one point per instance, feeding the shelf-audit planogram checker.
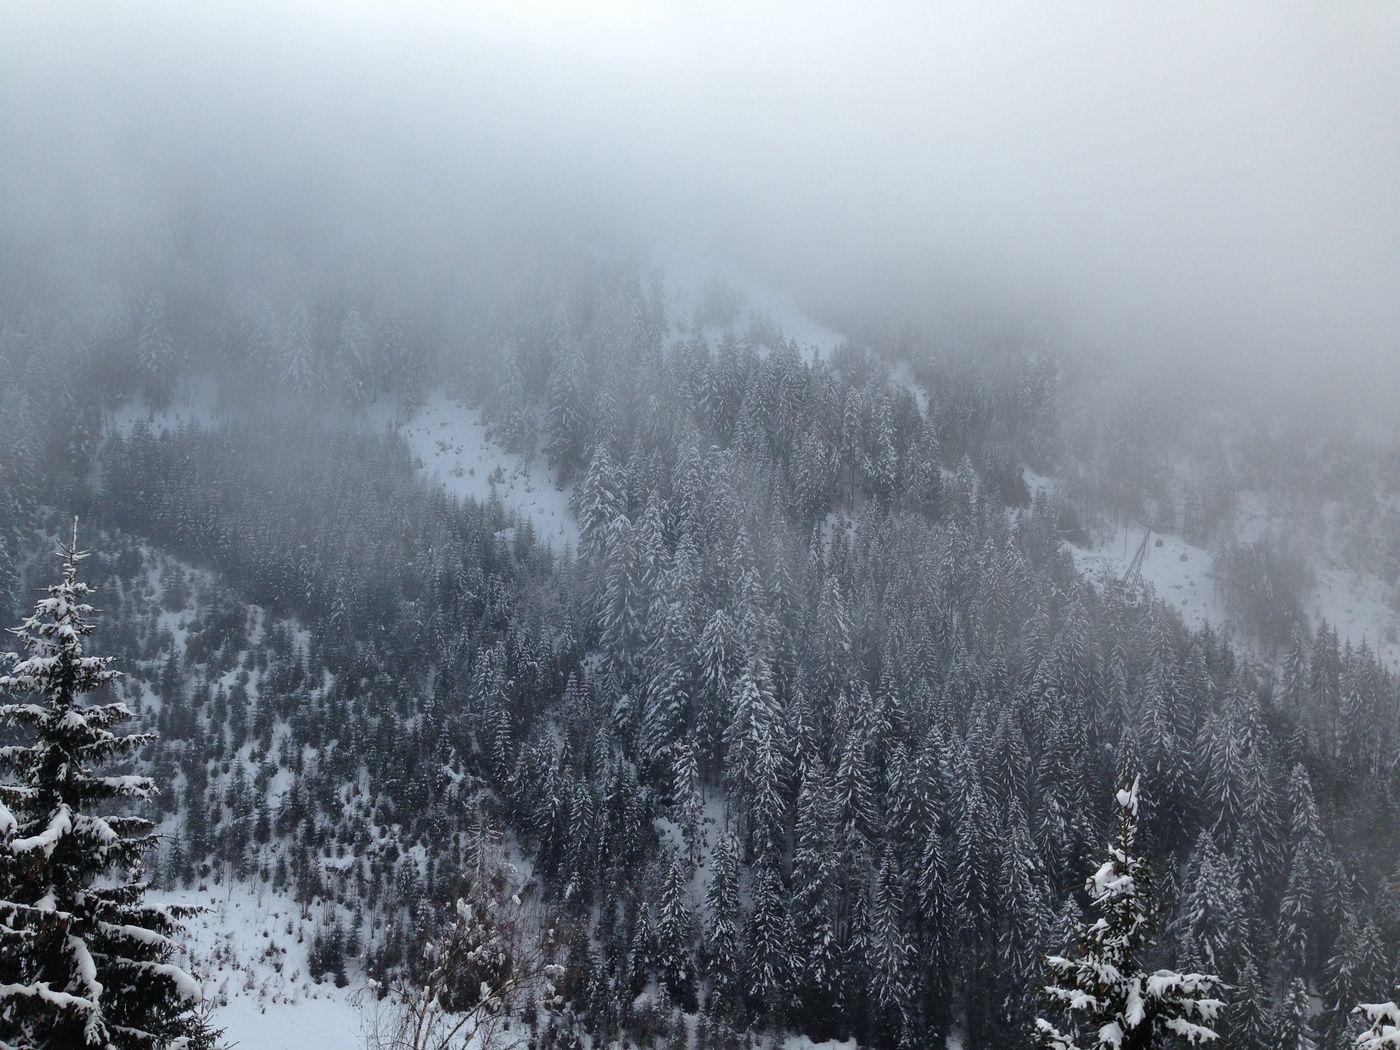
(814, 729)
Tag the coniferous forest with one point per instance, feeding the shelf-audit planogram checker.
(817, 717)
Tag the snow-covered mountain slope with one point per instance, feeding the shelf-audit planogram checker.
(1355, 604)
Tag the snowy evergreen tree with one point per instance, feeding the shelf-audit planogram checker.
(83, 960)
(768, 936)
(9, 579)
(1384, 1030)
(675, 933)
(1024, 920)
(300, 370)
(1358, 963)
(1109, 1001)
(155, 352)
(1247, 1024)
(814, 897)
(357, 385)
(1213, 912)
(722, 931)
(1292, 1027)
(567, 417)
(889, 949)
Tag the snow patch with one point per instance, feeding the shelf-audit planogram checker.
(1356, 604)
(1178, 572)
(450, 446)
(249, 951)
(195, 403)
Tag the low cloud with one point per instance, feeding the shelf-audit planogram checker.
(1201, 183)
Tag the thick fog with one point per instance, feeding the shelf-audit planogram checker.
(1207, 183)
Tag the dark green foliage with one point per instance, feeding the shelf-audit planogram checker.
(84, 961)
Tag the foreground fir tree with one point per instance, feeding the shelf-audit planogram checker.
(1109, 1001)
(1384, 1032)
(83, 961)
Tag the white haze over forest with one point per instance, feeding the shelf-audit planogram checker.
(1201, 183)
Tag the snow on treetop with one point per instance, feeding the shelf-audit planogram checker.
(1128, 797)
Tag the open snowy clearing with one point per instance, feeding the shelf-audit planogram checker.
(1353, 602)
(450, 446)
(195, 403)
(1178, 572)
(1356, 606)
(1181, 574)
(249, 948)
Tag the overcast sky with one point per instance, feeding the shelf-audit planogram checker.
(1216, 181)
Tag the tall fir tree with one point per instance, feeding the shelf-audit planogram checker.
(722, 933)
(84, 961)
(1292, 1027)
(155, 352)
(814, 900)
(1358, 964)
(1109, 1000)
(675, 932)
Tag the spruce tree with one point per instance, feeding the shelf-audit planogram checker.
(675, 933)
(84, 962)
(1358, 964)
(1109, 1001)
(1213, 911)
(722, 951)
(768, 963)
(1384, 1030)
(814, 900)
(300, 369)
(1024, 919)
(1292, 1022)
(155, 352)
(1248, 1022)
(891, 993)
(353, 359)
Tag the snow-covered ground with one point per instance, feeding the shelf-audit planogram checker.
(195, 402)
(451, 447)
(249, 949)
(687, 277)
(1178, 572)
(903, 375)
(1354, 603)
